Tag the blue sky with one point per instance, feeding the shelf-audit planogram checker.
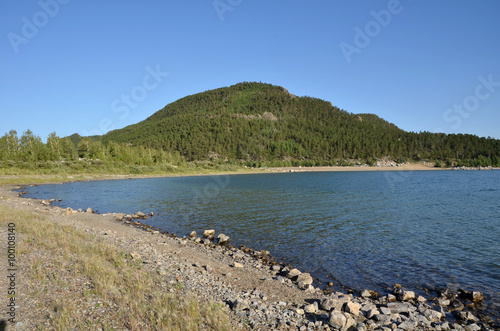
(87, 66)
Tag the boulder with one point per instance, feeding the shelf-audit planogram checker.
(223, 239)
(341, 321)
(456, 305)
(330, 303)
(89, 210)
(140, 214)
(209, 234)
(401, 307)
(305, 278)
(192, 234)
(366, 294)
(293, 273)
(407, 295)
(311, 308)
(351, 308)
(477, 296)
(465, 316)
(237, 265)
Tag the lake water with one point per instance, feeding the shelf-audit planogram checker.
(424, 230)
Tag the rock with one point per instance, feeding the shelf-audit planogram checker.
(333, 303)
(391, 298)
(408, 325)
(293, 273)
(311, 308)
(305, 278)
(303, 286)
(339, 320)
(351, 308)
(89, 210)
(140, 214)
(421, 299)
(192, 234)
(241, 304)
(209, 234)
(456, 305)
(400, 307)
(396, 290)
(444, 302)
(237, 265)
(366, 294)
(223, 239)
(432, 315)
(477, 296)
(299, 311)
(372, 312)
(407, 295)
(275, 267)
(466, 316)
(472, 327)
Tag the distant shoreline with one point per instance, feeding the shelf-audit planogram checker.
(37, 179)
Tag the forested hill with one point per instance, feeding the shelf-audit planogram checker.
(265, 124)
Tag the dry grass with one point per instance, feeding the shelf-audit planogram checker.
(62, 257)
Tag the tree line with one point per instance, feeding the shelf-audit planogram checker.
(28, 152)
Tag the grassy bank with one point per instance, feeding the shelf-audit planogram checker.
(55, 258)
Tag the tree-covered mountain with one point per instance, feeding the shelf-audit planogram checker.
(263, 124)
(250, 124)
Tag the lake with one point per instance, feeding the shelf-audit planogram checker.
(422, 229)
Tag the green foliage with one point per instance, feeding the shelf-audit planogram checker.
(255, 123)
(252, 124)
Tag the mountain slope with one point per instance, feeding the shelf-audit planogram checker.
(259, 122)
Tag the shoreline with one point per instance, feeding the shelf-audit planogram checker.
(268, 277)
(35, 179)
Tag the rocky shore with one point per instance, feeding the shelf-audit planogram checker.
(259, 293)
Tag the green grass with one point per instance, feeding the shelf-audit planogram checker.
(144, 303)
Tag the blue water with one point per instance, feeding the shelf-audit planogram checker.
(424, 230)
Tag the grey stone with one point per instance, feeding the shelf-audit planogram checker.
(311, 308)
(340, 320)
(352, 308)
(209, 233)
(223, 239)
(371, 313)
(400, 307)
(305, 278)
(332, 303)
(407, 295)
(408, 325)
(466, 316)
(366, 294)
(293, 273)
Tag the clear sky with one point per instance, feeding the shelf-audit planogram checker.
(90, 66)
